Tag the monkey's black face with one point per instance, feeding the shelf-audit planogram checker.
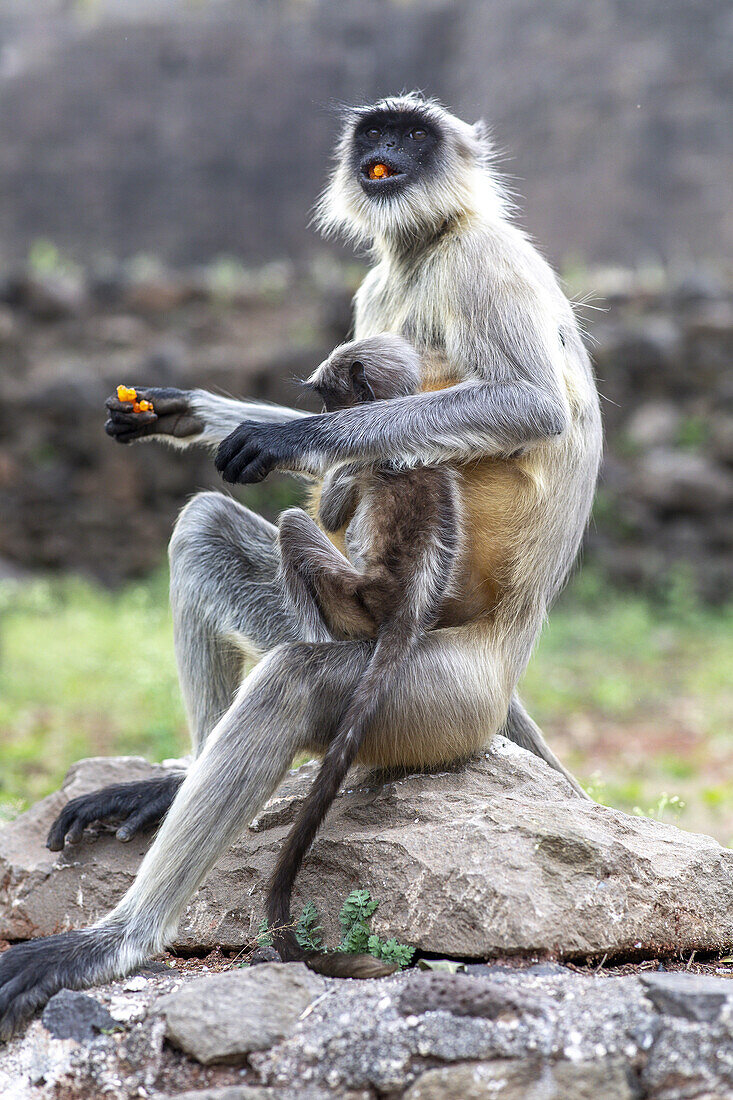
(336, 397)
(392, 149)
(342, 385)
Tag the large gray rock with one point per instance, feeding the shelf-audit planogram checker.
(43, 892)
(494, 858)
(224, 1017)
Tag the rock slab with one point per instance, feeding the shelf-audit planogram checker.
(224, 1017)
(71, 1015)
(497, 857)
(524, 1079)
(686, 995)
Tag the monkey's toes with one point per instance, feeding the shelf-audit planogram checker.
(145, 818)
(138, 805)
(30, 974)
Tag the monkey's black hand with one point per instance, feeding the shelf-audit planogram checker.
(254, 450)
(171, 415)
(139, 805)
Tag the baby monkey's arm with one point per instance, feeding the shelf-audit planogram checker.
(339, 497)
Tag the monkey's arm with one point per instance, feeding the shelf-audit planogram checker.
(185, 417)
(466, 421)
(508, 348)
(339, 496)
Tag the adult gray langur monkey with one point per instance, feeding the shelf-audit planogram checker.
(514, 407)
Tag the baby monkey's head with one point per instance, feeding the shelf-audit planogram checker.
(374, 369)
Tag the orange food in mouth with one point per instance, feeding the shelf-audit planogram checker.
(379, 172)
(128, 393)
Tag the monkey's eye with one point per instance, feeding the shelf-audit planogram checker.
(418, 134)
(373, 133)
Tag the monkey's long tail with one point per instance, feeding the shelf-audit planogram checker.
(391, 652)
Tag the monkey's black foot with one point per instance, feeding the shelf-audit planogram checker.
(137, 805)
(30, 973)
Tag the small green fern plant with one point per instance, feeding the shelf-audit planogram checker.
(357, 937)
(308, 931)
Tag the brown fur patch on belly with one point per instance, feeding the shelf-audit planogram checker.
(497, 496)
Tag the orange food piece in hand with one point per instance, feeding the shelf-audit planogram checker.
(378, 171)
(128, 393)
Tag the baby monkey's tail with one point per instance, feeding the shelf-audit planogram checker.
(391, 652)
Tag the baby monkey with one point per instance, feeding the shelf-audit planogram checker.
(402, 536)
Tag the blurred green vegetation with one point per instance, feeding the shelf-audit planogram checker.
(83, 671)
(625, 655)
(634, 694)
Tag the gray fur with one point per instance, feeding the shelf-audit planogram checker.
(454, 277)
(221, 415)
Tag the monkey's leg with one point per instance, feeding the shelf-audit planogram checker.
(523, 731)
(443, 707)
(321, 583)
(282, 706)
(339, 497)
(227, 601)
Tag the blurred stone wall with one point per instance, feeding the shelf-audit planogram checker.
(190, 128)
(69, 496)
(72, 499)
(664, 508)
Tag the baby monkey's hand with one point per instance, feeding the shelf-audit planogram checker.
(135, 413)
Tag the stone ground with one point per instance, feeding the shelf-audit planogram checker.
(276, 1032)
(605, 933)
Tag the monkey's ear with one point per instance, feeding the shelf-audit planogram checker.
(482, 133)
(359, 381)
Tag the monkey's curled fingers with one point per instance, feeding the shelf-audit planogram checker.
(137, 805)
(252, 451)
(171, 415)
